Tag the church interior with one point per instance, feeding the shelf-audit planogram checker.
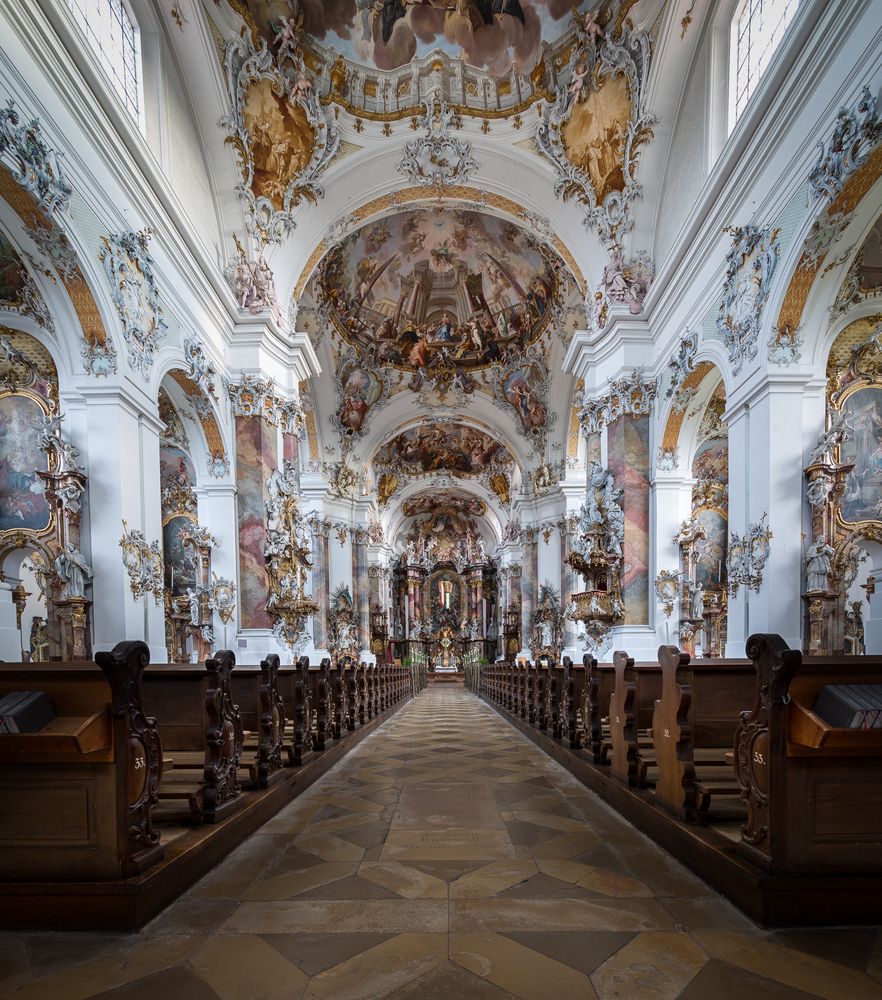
(440, 499)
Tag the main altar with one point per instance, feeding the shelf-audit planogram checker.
(444, 596)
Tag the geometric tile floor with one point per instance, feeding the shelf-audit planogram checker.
(446, 857)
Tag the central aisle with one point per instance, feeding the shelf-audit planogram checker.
(448, 857)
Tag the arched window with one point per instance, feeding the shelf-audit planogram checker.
(111, 31)
(757, 30)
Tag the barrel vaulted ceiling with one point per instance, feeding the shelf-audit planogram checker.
(440, 189)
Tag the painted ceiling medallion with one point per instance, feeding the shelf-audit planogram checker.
(279, 130)
(441, 445)
(504, 38)
(428, 503)
(593, 131)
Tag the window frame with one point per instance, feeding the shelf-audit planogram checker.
(124, 73)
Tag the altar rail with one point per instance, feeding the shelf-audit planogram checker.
(725, 764)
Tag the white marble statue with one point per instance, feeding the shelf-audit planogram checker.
(697, 602)
(72, 568)
(817, 565)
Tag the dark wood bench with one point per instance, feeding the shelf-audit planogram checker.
(694, 729)
(77, 798)
(256, 692)
(813, 791)
(202, 737)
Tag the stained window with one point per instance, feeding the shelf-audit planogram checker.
(112, 33)
(757, 30)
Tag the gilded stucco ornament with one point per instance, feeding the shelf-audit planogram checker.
(750, 264)
(56, 248)
(668, 459)
(288, 558)
(682, 364)
(856, 132)
(129, 268)
(593, 131)
(255, 397)
(280, 132)
(625, 282)
(630, 394)
(362, 385)
(201, 372)
(437, 157)
(521, 387)
(144, 564)
(35, 166)
(785, 347)
(747, 556)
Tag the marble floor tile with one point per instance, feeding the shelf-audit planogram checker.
(247, 968)
(519, 970)
(381, 970)
(652, 967)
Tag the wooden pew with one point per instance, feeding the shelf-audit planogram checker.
(202, 736)
(303, 741)
(574, 681)
(813, 792)
(77, 798)
(594, 708)
(694, 729)
(555, 695)
(256, 692)
(361, 683)
(531, 693)
(350, 669)
(542, 671)
(320, 698)
(623, 720)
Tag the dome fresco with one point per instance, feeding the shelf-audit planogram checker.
(425, 284)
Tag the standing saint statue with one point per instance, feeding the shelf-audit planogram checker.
(73, 570)
(817, 565)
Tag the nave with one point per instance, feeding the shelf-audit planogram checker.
(446, 856)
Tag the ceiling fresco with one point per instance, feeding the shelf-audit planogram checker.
(428, 503)
(443, 446)
(496, 35)
(438, 285)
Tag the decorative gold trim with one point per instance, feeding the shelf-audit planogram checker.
(675, 418)
(805, 272)
(26, 208)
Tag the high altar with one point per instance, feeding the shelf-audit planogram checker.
(444, 590)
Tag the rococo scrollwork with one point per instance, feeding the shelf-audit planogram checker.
(129, 268)
(279, 130)
(750, 264)
(593, 131)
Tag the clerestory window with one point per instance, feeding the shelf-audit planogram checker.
(112, 33)
(757, 30)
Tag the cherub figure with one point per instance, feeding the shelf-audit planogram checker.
(593, 29)
(287, 33)
(577, 86)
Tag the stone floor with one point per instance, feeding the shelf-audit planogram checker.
(446, 857)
